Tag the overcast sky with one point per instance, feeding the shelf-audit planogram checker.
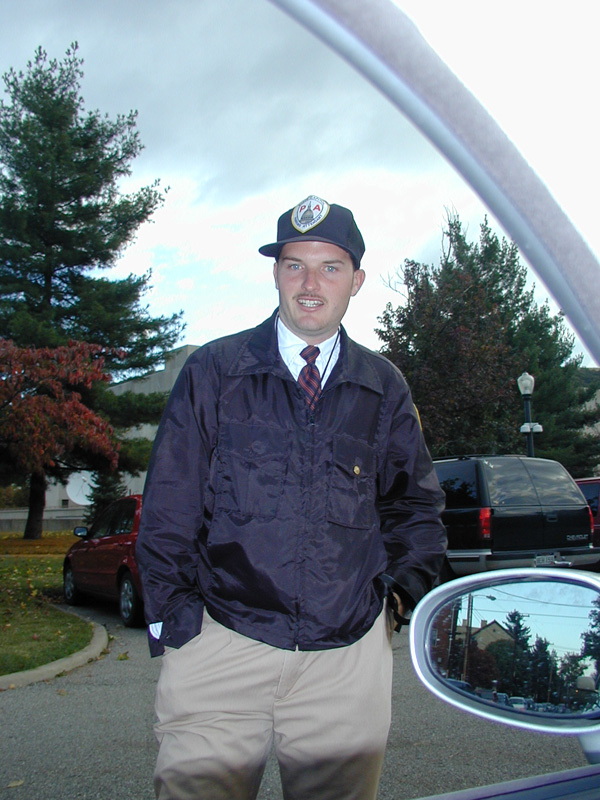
(243, 114)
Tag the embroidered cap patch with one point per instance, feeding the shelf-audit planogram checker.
(309, 213)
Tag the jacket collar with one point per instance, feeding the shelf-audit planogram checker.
(259, 354)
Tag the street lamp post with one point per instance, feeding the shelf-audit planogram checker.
(526, 382)
(465, 672)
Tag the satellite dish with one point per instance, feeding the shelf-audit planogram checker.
(78, 488)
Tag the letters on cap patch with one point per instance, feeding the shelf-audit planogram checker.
(309, 213)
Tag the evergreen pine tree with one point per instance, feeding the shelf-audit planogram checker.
(63, 222)
(466, 330)
(105, 489)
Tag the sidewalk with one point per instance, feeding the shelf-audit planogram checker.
(99, 642)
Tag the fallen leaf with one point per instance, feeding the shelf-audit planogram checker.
(123, 656)
(14, 784)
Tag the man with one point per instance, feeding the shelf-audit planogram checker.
(290, 493)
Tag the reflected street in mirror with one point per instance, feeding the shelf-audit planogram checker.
(532, 647)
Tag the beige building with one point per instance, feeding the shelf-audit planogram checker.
(160, 381)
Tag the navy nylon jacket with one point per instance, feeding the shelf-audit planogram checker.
(281, 520)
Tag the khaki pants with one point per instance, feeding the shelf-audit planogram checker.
(224, 700)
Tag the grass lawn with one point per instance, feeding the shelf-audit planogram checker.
(32, 630)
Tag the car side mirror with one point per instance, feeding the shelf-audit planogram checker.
(517, 646)
(81, 531)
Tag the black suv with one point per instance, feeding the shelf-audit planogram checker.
(513, 511)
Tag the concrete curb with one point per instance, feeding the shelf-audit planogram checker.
(47, 671)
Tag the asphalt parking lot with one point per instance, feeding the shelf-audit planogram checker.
(87, 735)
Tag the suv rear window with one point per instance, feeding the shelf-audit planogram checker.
(459, 480)
(508, 482)
(552, 480)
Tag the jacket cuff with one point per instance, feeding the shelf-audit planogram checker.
(392, 585)
(156, 647)
(392, 588)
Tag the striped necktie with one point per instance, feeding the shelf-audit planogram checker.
(309, 378)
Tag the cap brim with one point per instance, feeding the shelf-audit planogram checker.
(272, 250)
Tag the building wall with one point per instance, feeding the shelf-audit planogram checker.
(160, 381)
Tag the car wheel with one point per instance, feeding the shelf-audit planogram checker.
(70, 591)
(130, 604)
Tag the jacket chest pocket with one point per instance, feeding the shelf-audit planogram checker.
(351, 500)
(251, 471)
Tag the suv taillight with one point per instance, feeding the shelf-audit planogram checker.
(593, 537)
(485, 523)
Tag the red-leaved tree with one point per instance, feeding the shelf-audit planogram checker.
(45, 428)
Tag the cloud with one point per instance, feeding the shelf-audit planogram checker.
(224, 284)
(243, 113)
(235, 94)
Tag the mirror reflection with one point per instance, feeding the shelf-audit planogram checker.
(530, 647)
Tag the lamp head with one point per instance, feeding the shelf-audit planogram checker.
(526, 382)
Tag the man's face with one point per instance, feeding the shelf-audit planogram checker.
(315, 281)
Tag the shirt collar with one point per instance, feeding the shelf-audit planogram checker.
(258, 353)
(290, 347)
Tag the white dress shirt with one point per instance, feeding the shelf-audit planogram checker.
(290, 347)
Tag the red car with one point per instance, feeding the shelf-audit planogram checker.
(102, 562)
(591, 491)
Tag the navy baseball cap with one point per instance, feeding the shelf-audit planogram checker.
(315, 220)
